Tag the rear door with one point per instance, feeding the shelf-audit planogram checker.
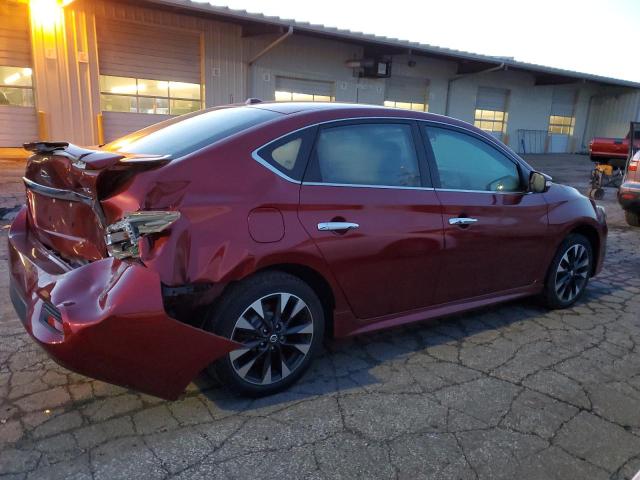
(495, 231)
(368, 204)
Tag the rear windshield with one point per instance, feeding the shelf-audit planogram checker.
(183, 135)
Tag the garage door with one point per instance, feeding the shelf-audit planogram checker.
(147, 75)
(18, 121)
(491, 110)
(406, 92)
(562, 120)
(303, 90)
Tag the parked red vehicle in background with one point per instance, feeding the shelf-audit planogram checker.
(236, 239)
(613, 151)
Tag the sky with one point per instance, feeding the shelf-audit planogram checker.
(598, 37)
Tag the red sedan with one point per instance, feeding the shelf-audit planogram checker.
(236, 239)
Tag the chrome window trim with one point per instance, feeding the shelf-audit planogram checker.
(493, 192)
(359, 185)
(268, 165)
(490, 140)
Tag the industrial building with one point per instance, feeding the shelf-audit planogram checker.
(88, 71)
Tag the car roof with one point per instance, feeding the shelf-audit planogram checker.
(337, 110)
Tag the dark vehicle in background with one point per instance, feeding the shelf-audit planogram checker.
(235, 239)
(612, 151)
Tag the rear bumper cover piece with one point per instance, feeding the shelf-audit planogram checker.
(113, 325)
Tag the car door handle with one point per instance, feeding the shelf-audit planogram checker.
(462, 221)
(337, 226)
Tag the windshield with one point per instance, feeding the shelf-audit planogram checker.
(186, 134)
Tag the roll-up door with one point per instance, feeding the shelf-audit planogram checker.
(491, 110)
(562, 120)
(18, 120)
(406, 92)
(494, 99)
(298, 89)
(147, 74)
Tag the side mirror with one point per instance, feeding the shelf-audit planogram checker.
(539, 182)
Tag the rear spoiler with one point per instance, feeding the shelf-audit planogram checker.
(45, 147)
(86, 158)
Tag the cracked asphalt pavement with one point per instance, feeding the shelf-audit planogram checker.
(513, 391)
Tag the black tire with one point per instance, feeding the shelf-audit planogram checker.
(563, 290)
(270, 289)
(632, 218)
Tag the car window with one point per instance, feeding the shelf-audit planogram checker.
(366, 154)
(289, 154)
(467, 163)
(186, 134)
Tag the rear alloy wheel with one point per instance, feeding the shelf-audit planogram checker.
(279, 321)
(569, 272)
(632, 218)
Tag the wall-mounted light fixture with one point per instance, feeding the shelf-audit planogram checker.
(46, 14)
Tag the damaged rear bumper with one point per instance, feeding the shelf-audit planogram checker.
(106, 319)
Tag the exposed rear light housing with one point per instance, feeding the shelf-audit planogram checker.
(122, 237)
(51, 317)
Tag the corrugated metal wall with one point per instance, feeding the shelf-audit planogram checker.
(140, 42)
(610, 113)
(135, 50)
(17, 124)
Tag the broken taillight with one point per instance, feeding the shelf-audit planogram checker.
(122, 237)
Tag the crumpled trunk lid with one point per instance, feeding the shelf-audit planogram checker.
(64, 189)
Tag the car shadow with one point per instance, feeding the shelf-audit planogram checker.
(373, 362)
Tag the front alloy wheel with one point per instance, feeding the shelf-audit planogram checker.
(572, 272)
(279, 321)
(569, 272)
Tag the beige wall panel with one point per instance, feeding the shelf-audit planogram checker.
(118, 124)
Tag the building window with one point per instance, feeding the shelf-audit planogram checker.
(491, 120)
(561, 125)
(137, 95)
(285, 96)
(16, 86)
(419, 107)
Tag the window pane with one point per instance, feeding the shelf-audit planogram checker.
(322, 98)
(15, 76)
(153, 105)
(21, 97)
(467, 163)
(123, 85)
(283, 96)
(301, 97)
(153, 88)
(118, 103)
(374, 154)
(184, 90)
(287, 154)
(180, 107)
(180, 136)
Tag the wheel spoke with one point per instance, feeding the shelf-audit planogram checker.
(306, 328)
(284, 368)
(244, 324)
(302, 347)
(284, 300)
(257, 307)
(266, 369)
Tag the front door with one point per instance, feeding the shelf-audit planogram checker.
(367, 203)
(495, 231)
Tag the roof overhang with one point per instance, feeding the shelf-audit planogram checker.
(258, 24)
